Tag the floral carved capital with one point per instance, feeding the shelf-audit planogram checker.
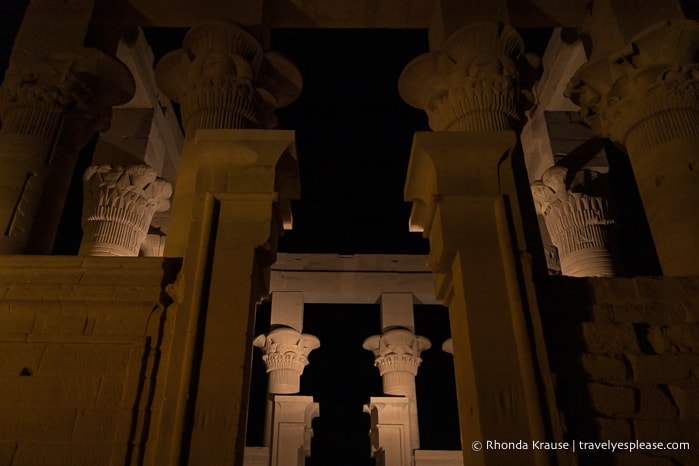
(119, 205)
(223, 79)
(81, 81)
(656, 75)
(475, 83)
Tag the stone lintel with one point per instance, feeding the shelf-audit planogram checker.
(453, 164)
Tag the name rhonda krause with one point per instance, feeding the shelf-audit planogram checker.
(522, 445)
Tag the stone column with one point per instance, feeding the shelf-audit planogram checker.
(292, 429)
(580, 225)
(397, 351)
(640, 88)
(118, 207)
(461, 181)
(50, 106)
(285, 350)
(223, 79)
(231, 203)
(390, 431)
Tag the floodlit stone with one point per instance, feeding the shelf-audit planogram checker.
(223, 79)
(285, 353)
(397, 351)
(119, 205)
(644, 95)
(390, 432)
(473, 83)
(50, 106)
(580, 225)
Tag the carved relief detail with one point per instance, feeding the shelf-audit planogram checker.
(119, 205)
(83, 82)
(648, 92)
(285, 353)
(223, 79)
(397, 350)
(579, 224)
(475, 83)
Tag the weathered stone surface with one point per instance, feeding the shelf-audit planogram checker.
(639, 459)
(667, 431)
(612, 290)
(16, 356)
(612, 400)
(656, 402)
(665, 368)
(62, 454)
(95, 425)
(37, 424)
(85, 359)
(664, 311)
(580, 225)
(605, 368)
(616, 430)
(609, 338)
(687, 400)
(48, 391)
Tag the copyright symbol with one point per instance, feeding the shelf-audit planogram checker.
(477, 446)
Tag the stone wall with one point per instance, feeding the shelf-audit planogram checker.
(81, 341)
(625, 358)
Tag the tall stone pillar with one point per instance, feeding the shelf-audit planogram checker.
(118, 207)
(50, 106)
(397, 351)
(223, 79)
(230, 205)
(461, 182)
(285, 350)
(580, 225)
(640, 88)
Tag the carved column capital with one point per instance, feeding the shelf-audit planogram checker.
(397, 354)
(473, 83)
(646, 93)
(119, 204)
(579, 224)
(285, 353)
(82, 82)
(223, 79)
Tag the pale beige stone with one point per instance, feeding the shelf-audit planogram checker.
(580, 225)
(472, 83)
(119, 205)
(639, 89)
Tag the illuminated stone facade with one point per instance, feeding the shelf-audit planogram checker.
(143, 360)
